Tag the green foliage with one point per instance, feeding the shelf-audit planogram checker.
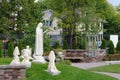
(81, 42)
(103, 45)
(29, 14)
(72, 14)
(20, 46)
(10, 49)
(111, 47)
(65, 44)
(29, 39)
(46, 43)
(57, 44)
(1, 50)
(118, 46)
(111, 16)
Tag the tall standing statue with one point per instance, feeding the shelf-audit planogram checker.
(39, 45)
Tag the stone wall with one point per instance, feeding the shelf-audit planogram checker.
(8, 72)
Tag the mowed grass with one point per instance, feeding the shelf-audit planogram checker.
(37, 72)
(113, 68)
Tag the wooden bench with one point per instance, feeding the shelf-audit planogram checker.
(113, 57)
(74, 54)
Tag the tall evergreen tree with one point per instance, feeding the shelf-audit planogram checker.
(10, 49)
(111, 47)
(103, 45)
(118, 46)
(1, 50)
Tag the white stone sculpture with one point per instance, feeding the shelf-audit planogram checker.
(55, 22)
(39, 45)
(30, 52)
(51, 66)
(26, 61)
(16, 60)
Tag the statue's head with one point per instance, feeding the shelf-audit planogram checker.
(40, 24)
(27, 47)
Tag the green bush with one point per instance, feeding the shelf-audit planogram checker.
(10, 49)
(65, 44)
(46, 43)
(118, 46)
(1, 51)
(103, 45)
(111, 48)
(81, 42)
(57, 45)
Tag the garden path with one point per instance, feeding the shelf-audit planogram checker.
(97, 64)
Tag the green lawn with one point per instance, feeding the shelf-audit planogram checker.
(114, 68)
(37, 72)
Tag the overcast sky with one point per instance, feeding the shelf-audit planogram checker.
(114, 2)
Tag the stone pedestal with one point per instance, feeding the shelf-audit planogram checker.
(39, 59)
(8, 72)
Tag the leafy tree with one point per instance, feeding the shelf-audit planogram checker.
(72, 13)
(20, 17)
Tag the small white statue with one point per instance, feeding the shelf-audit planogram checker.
(26, 58)
(29, 52)
(51, 66)
(55, 22)
(16, 60)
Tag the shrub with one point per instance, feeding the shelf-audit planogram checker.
(103, 45)
(81, 42)
(1, 51)
(65, 44)
(118, 46)
(57, 45)
(111, 48)
(46, 43)
(10, 49)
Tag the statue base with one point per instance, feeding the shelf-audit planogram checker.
(39, 59)
(55, 72)
(27, 64)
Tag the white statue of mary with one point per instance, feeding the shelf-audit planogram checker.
(39, 45)
(51, 66)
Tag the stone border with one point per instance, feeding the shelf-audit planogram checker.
(9, 72)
